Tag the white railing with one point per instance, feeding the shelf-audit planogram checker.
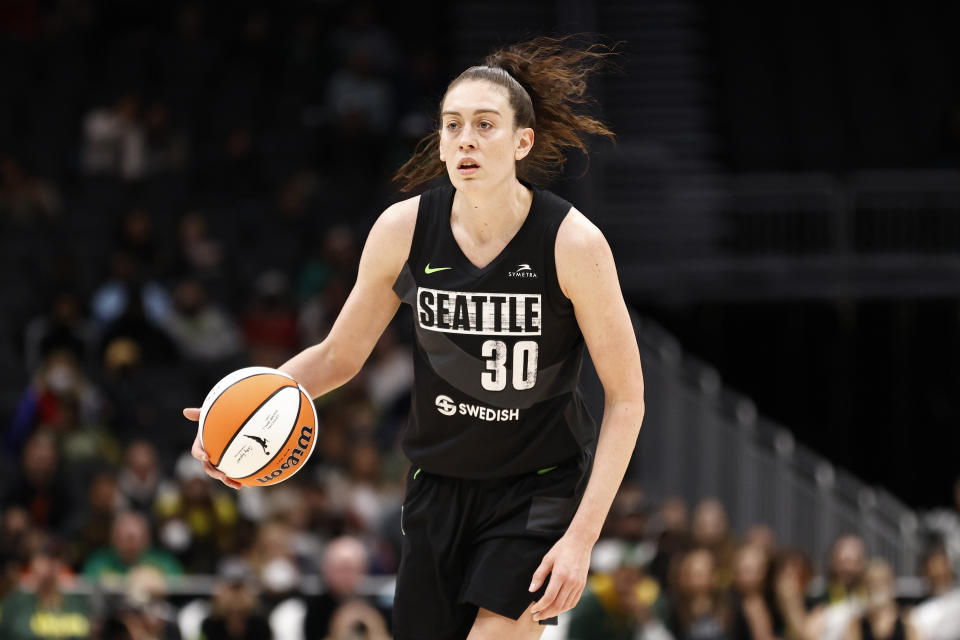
(701, 440)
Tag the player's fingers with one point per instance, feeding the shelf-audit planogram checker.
(541, 573)
(216, 474)
(573, 597)
(576, 596)
(191, 413)
(558, 605)
(197, 450)
(553, 588)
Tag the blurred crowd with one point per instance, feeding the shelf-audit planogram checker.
(182, 191)
(659, 572)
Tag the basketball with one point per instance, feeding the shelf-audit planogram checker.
(258, 426)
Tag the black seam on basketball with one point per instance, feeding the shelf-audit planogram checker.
(252, 413)
(252, 375)
(274, 457)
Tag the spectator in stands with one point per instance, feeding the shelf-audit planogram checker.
(670, 529)
(288, 504)
(40, 608)
(128, 306)
(235, 611)
(137, 239)
(698, 607)
(324, 283)
(357, 619)
(282, 239)
(195, 519)
(14, 531)
(167, 148)
(361, 105)
(711, 530)
(59, 394)
(62, 327)
(937, 572)
(845, 593)
(762, 536)
(39, 486)
(938, 616)
(754, 615)
(25, 199)
(945, 524)
(388, 377)
(881, 619)
(140, 479)
(103, 502)
(845, 572)
(621, 604)
(126, 284)
(792, 573)
(114, 140)
(270, 323)
(198, 253)
(362, 31)
(142, 613)
(130, 546)
(368, 495)
(204, 333)
(344, 568)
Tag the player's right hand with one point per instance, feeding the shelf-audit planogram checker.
(201, 455)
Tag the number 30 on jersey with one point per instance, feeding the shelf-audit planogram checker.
(523, 365)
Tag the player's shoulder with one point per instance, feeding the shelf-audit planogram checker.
(391, 236)
(582, 254)
(578, 235)
(400, 215)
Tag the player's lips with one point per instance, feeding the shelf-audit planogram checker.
(467, 166)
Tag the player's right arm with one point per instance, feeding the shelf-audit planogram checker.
(368, 310)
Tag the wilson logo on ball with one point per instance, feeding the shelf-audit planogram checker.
(303, 442)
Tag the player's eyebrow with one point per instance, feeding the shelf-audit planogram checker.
(475, 111)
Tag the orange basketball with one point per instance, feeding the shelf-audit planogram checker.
(258, 426)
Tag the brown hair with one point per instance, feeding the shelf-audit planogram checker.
(545, 79)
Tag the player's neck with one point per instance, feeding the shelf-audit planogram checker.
(488, 214)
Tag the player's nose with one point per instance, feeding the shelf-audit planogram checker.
(467, 139)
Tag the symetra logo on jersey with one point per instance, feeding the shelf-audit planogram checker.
(522, 271)
(492, 314)
(447, 407)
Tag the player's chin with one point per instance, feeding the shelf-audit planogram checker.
(459, 181)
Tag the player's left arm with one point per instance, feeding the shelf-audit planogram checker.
(588, 277)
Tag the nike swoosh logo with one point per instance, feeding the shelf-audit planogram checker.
(427, 270)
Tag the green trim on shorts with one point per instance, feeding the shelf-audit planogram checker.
(416, 473)
(547, 470)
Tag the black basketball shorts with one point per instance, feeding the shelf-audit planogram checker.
(476, 543)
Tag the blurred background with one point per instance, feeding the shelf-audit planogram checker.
(185, 188)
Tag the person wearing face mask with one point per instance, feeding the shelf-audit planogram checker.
(59, 396)
(508, 283)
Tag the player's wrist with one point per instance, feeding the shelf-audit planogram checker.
(584, 533)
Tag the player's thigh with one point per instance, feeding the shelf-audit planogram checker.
(493, 626)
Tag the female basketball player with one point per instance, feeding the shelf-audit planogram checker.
(506, 282)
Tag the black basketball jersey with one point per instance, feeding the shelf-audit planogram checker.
(498, 349)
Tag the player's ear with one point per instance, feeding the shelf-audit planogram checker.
(524, 143)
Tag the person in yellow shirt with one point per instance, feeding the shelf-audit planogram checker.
(39, 609)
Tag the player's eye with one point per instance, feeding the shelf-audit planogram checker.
(451, 126)
(485, 125)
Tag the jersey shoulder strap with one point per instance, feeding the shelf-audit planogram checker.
(434, 205)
